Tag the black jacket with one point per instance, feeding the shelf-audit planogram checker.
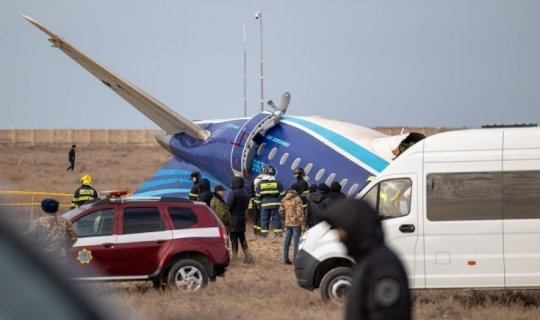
(379, 289)
(317, 202)
(205, 195)
(238, 203)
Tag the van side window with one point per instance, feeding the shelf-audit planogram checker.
(390, 198)
(464, 196)
(521, 195)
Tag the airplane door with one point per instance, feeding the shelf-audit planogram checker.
(396, 201)
(463, 226)
(244, 146)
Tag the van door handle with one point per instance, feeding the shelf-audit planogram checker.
(406, 228)
(108, 245)
(160, 241)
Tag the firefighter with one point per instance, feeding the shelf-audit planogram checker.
(303, 186)
(256, 209)
(194, 193)
(268, 194)
(84, 193)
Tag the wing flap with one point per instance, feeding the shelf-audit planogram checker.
(159, 113)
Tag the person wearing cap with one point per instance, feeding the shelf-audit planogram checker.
(84, 193)
(52, 233)
(379, 288)
(194, 193)
(71, 158)
(317, 202)
(218, 205)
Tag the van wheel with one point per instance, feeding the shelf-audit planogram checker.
(336, 285)
(188, 275)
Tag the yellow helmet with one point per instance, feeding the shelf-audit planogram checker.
(86, 179)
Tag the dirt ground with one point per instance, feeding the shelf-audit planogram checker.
(265, 290)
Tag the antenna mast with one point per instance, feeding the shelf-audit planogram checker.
(245, 73)
(258, 16)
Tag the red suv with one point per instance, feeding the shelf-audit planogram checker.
(170, 241)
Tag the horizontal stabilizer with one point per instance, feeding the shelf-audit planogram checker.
(159, 113)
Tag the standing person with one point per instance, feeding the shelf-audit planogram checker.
(335, 191)
(292, 213)
(268, 195)
(238, 203)
(84, 193)
(256, 208)
(205, 195)
(318, 201)
(217, 204)
(52, 233)
(379, 287)
(71, 158)
(194, 193)
(303, 186)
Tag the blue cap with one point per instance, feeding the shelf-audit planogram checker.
(49, 205)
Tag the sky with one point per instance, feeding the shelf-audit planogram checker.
(458, 63)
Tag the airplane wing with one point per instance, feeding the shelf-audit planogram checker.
(159, 113)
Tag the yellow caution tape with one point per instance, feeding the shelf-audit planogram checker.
(35, 193)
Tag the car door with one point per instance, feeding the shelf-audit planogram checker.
(92, 254)
(142, 242)
(395, 200)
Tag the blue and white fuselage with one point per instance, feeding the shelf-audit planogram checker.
(328, 150)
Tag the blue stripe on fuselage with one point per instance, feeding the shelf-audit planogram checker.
(342, 142)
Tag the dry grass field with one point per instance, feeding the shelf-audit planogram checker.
(265, 290)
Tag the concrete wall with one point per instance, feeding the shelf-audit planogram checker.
(77, 136)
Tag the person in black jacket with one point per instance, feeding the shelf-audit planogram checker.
(71, 158)
(335, 191)
(238, 203)
(194, 193)
(303, 186)
(205, 195)
(318, 201)
(379, 287)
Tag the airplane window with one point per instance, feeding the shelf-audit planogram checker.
(319, 174)
(261, 149)
(353, 189)
(272, 153)
(308, 168)
(343, 183)
(284, 158)
(295, 163)
(330, 178)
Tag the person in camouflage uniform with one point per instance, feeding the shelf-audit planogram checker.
(292, 213)
(220, 208)
(52, 233)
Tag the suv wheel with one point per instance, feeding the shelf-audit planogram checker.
(188, 275)
(336, 285)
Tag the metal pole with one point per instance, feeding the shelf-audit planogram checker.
(258, 16)
(245, 73)
(32, 209)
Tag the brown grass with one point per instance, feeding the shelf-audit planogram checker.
(265, 290)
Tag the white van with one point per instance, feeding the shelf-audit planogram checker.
(461, 209)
